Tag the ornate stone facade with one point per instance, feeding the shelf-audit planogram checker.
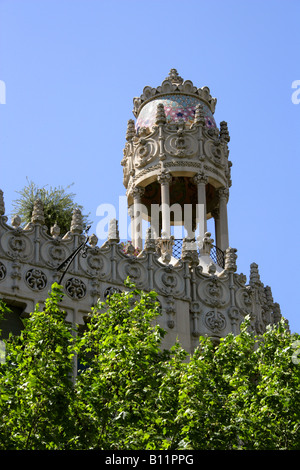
(165, 151)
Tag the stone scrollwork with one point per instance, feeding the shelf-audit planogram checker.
(213, 292)
(36, 279)
(57, 253)
(133, 271)
(214, 152)
(181, 145)
(17, 244)
(95, 263)
(111, 290)
(169, 281)
(215, 321)
(145, 152)
(75, 288)
(2, 271)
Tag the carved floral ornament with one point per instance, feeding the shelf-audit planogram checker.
(169, 280)
(215, 321)
(145, 152)
(17, 244)
(213, 292)
(57, 253)
(36, 279)
(181, 145)
(133, 271)
(110, 291)
(95, 262)
(75, 288)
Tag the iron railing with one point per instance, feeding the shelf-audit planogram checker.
(216, 254)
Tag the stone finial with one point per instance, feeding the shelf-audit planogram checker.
(206, 244)
(189, 251)
(130, 133)
(224, 134)
(37, 216)
(150, 244)
(254, 275)
(76, 223)
(16, 221)
(276, 312)
(269, 296)
(230, 259)
(199, 115)
(160, 114)
(93, 240)
(2, 206)
(165, 247)
(174, 77)
(55, 231)
(212, 268)
(113, 231)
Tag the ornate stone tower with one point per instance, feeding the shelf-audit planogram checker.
(176, 173)
(176, 167)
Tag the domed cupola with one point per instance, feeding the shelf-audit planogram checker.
(179, 99)
(175, 164)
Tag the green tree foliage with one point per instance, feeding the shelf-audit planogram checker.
(35, 381)
(117, 393)
(130, 393)
(58, 205)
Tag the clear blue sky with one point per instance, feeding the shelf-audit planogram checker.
(72, 67)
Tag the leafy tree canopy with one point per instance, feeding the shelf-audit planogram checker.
(58, 205)
(131, 393)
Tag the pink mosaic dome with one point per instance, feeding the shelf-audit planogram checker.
(177, 107)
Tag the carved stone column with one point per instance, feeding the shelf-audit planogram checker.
(137, 217)
(131, 215)
(201, 180)
(223, 219)
(216, 215)
(164, 179)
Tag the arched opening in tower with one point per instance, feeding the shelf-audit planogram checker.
(183, 204)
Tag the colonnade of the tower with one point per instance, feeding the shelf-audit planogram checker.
(219, 214)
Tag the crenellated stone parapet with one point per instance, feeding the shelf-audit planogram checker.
(174, 84)
(194, 300)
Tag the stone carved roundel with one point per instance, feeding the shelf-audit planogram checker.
(36, 279)
(215, 321)
(95, 262)
(111, 290)
(75, 288)
(17, 244)
(57, 253)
